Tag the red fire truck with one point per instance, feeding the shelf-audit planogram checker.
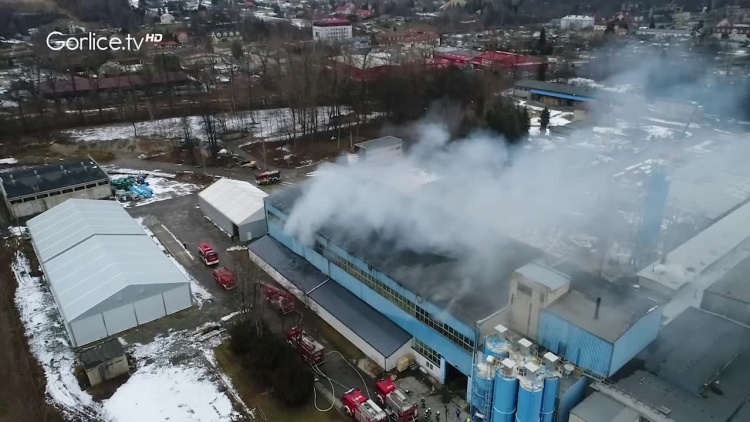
(224, 277)
(279, 299)
(207, 254)
(361, 409)
(268, 177)
(397, 403)
(311, 351)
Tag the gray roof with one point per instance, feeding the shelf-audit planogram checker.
(239, 201)
(696, 348)
(544, 275)
(101, 353)
(295, 269)
(692, 349)
(577, 91)
(433, 275)
(373, 327)
(601, 408)
(34, 180)
(621, 307)
(385, 141)
(689, 261)
(92, 250)
(735, 284)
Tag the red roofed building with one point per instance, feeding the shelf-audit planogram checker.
(487, 59)
(408, 38)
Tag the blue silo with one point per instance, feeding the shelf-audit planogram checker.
(495, 347)
(529, 401)
(549, 398)
(481, 389)
(506, 393)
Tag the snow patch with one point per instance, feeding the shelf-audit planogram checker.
(9, 160)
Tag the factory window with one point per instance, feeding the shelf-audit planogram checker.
(273, 218)
(405, 304)
(524, 289)
(431, 355)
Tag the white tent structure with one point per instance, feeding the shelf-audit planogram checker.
(236, 207)
(105, 273)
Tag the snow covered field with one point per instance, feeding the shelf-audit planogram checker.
(270, 124)
(159, 389)
(164, 185)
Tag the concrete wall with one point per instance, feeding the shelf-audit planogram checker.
(575, 344)
(640, 335)
(525, 308)
(731, 308)
(108, 370)
(253, 229)
(43, 201)
(431, 369)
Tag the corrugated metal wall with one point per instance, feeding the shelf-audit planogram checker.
(571, 398)
(574, 344)
(640, 335)
(731, 308)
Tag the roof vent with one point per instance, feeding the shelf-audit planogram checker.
(525, 346)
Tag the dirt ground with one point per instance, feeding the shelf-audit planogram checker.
(22, 390)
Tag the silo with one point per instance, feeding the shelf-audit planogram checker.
(530, 393)
(496, 345)
(551, 384)
(506, 392)
(481, 388)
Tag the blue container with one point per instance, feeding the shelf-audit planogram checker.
(504, 401)
(481, 390)
(529, 403)
(549, 399)
(495, 347)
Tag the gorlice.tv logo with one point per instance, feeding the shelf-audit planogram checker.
(92, 42)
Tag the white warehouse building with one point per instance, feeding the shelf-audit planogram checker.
(105, 272)
(235, 207)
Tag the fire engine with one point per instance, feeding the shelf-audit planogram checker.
(224, 277)
(267, 177)
(396, 402)
(279, 299)
(362, 409)
(207, 254)
(311, 351)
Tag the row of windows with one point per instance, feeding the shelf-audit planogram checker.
(424, 350)
(445, 330)
(60, 192)
(399, 300)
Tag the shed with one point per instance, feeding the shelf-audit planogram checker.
(105, 273)
(32, 190)
(104, 361)
(235, 207)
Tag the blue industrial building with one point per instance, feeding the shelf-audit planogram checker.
(402, 287)
(600, 326)
(594, 324)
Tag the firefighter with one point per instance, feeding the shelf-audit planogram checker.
(184, 245)
(458, 415)
(423, 403)
(437, 416)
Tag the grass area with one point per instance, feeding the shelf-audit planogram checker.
(253, 395)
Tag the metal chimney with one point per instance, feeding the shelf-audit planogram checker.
(598, 305)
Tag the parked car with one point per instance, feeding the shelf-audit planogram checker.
(224, 277)
(207, 254)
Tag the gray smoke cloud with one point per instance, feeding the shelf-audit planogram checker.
(466, 197)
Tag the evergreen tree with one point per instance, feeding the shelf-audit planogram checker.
(524, 121)
(237, 52)
(544, 120)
